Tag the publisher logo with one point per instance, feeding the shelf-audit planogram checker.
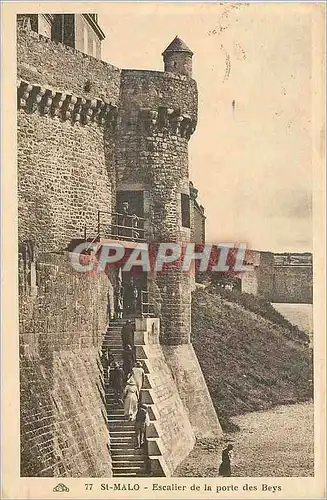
(60, 488)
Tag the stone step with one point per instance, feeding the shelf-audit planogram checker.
(121, 433)
(128, 471)
(121, 445)
(116, 418)
(127, 452)
(119, 463)
(122, 425)
(119, 417)
(128, 458)
(130, 438)
(131, 474)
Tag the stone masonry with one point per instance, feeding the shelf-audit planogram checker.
(86, 131)
(285, 278)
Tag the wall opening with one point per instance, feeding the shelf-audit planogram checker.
(185, 202)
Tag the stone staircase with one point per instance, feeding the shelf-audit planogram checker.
(126, 460)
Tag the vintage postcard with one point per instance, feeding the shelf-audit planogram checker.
(163, 250)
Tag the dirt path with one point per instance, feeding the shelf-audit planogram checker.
(278, 442)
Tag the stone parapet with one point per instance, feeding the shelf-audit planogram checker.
(46, 101)
(169, 120)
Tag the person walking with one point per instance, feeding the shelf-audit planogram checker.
(128, 360)
(226, 459)
(138, 374)
(142, 420)
(127, 334)
(131, 396)
(106, 358)
(116, 380)
(120, 307)
(135, 297)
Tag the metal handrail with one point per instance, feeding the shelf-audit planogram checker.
(90, 245)
(134, 216)
(133, 232)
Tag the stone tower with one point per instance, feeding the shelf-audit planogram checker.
(178, 58)
(158, 115)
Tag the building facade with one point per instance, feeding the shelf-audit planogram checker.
(79, 31)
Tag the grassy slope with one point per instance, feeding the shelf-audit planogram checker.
(249, 362)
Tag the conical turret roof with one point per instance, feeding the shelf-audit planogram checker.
(177, 45)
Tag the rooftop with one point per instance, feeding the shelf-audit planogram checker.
(177, 45)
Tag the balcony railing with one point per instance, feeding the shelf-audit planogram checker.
(117, 226)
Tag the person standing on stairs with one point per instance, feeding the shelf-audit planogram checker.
(138, 374)
(128, 360)
(127, 334)
(131, 396)
(142, 420)
(107, 358)
(116, 380)
(120, 307)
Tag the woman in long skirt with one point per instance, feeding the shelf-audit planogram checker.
(131, 396)
(138, 374)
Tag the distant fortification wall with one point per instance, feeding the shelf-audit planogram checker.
(275, 282)
(293, 284)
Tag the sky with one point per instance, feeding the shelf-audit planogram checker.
(251, 154)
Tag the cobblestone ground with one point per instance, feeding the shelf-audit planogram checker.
(276, 443)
